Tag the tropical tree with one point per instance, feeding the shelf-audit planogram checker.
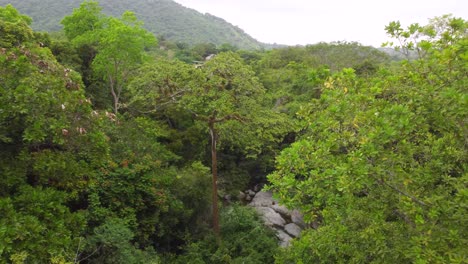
(223, 98)
(120, 44)
(381, 169)
(14, 27)
(49, 148)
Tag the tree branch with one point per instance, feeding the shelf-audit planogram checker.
(413, 198)
(230, 117)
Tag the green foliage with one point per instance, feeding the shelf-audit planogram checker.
(84, 19)
(379, 164)
(203, 50)
(142, 198)
(137, 141)
(231, 91)
(382, 165)
(49, 151)
(46, 131)
(14, 27)
(193, 187)
(66, 54)
(158, 202)
(112, 243)
(339, 55)
(158, 86)
(36, 226)
(335, 56)
(293, 75)
(244, 240)
(120, 44)
(156, 90)
(176, 91)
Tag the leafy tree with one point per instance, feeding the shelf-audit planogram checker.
(14, 27)
(143, 190)
(120, 44)
(46, 122)
(229, 103)
(49, 149)
(223, 97)
(339, 55)
(36, 226)
(88, 17)
(382, 165)
(292, 75)
(225, 47)
(245, 239)
(203, 50)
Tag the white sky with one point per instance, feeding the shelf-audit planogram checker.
(303, 22)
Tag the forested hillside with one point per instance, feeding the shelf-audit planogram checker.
(162, 17)
(118, 147)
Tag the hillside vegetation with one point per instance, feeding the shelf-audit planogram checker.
(162, 17)
(114, 149)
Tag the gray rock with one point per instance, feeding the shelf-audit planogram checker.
(209, 57)
(293, 230)
(264, 199)
(298, 219)
(270, 217)
(250, 192)
(314, 224)
(248, 198)
(284, 239)
(281, 209)
(241, 196)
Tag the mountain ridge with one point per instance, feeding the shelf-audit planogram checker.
(165, 18)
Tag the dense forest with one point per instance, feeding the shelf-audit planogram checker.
(120, 147)
(165, 18)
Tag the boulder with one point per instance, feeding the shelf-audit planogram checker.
(281, 209)
(293, 230)
(241, 196)
(284, 238)
(270, 217)
(262, 199)
(298, 219)
(250, 192)
(228, 197)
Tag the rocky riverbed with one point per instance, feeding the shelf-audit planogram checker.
(287, 224)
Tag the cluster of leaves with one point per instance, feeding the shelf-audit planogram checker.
(293, 75)
(381, 167)
(244, 240)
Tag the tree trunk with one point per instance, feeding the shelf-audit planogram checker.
(214, 170)
(115, 95)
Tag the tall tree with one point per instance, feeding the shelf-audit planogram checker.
(120, 44)
(230, 103)
(224, 98)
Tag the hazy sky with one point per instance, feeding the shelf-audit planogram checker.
(310, 21)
